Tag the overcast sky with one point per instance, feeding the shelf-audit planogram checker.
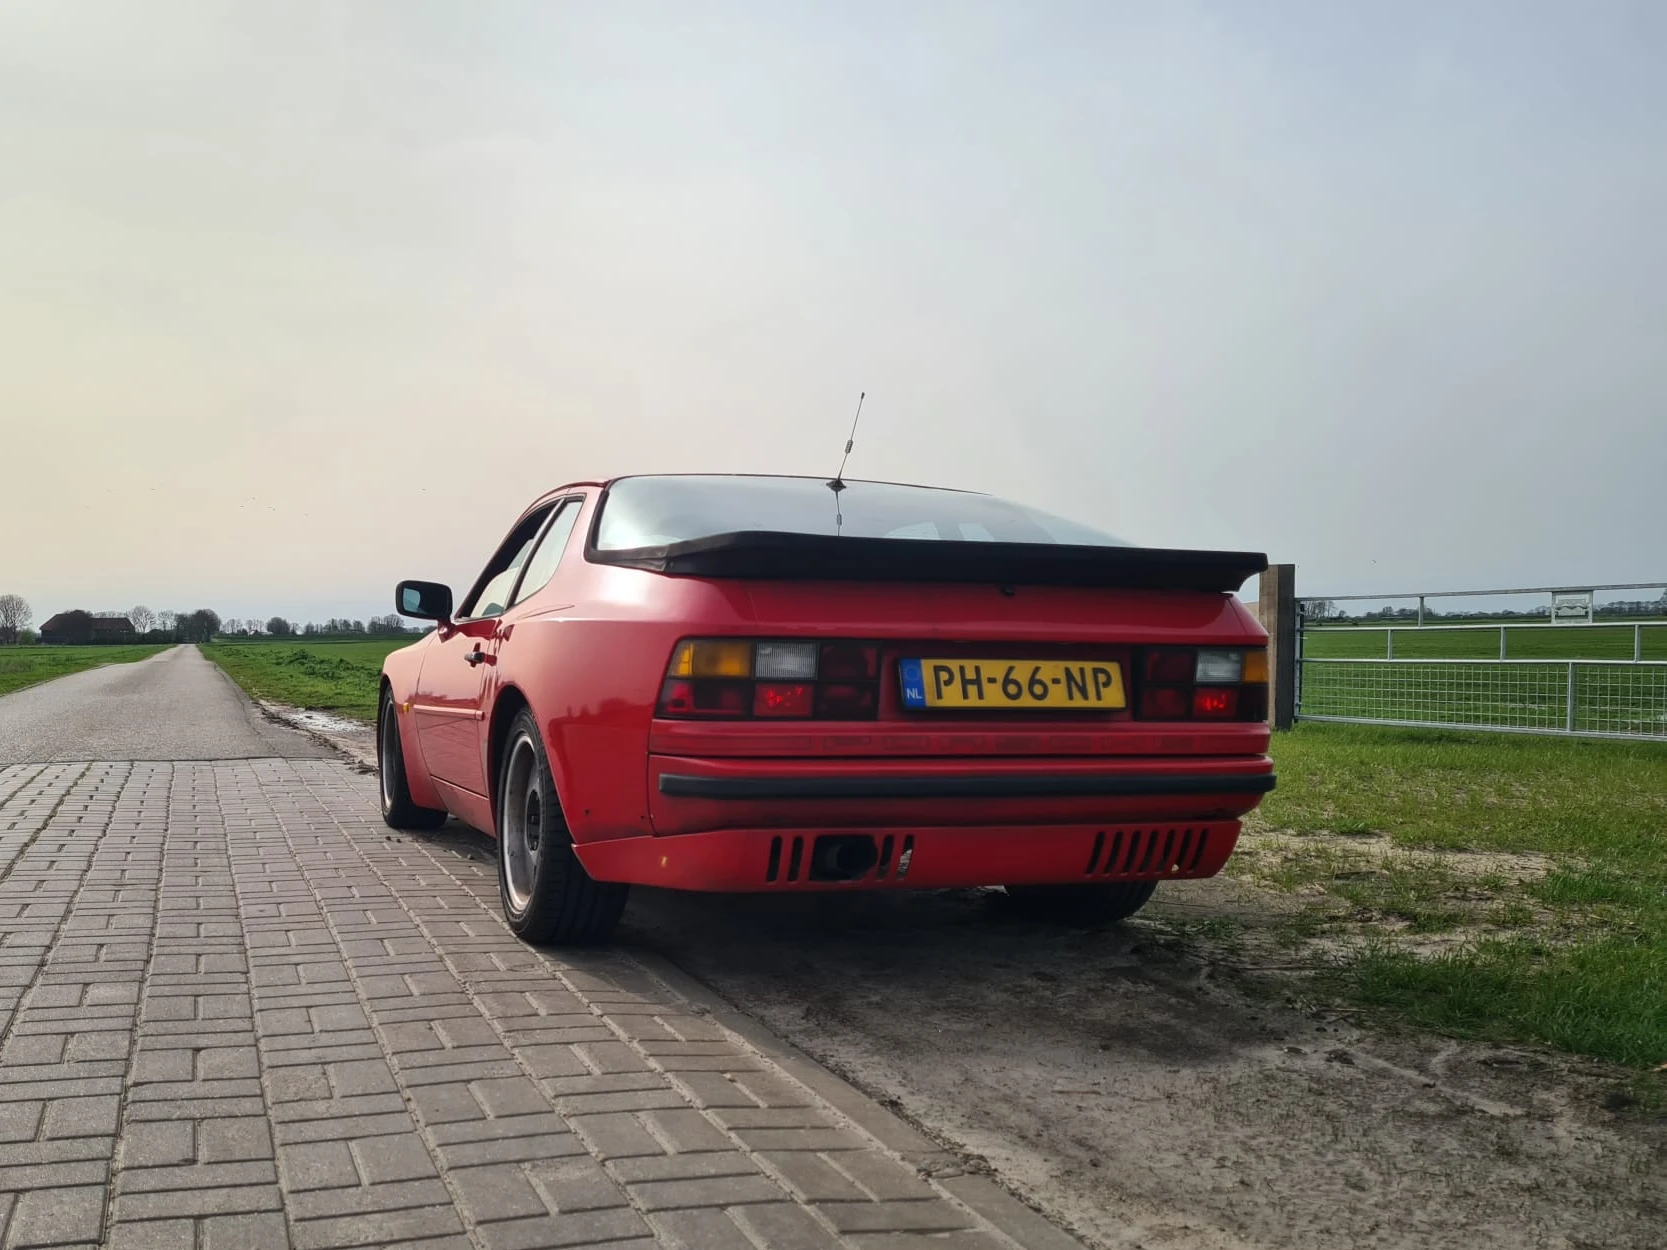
(300, 298)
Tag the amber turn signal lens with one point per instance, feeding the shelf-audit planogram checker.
(1256, 666)
(712, 659)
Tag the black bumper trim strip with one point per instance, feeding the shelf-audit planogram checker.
(678, 785)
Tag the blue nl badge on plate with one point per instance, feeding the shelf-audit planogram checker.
(914, 683)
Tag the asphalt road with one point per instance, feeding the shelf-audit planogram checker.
(176, 706)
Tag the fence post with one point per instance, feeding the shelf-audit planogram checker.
(1570, 719)
(1277, 607)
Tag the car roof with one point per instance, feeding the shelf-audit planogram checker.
(604, 483)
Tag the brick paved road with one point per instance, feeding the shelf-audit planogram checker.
(238, 1012)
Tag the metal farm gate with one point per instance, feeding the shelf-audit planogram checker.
(1570, 667)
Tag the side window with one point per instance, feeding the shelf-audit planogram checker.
(491, 593)
(544, 562)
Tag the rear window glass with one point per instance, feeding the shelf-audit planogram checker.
(659, 511)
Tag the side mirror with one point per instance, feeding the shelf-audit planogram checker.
(427, 601)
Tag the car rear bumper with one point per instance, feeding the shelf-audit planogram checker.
(918, 857)
(690, 795)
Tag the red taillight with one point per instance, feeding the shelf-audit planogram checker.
(705, 698)
(1209, 683)
(1164, 703)
(771, 679)
(1215, 703)
(781, 699)
(849, 661)
(1171, 664)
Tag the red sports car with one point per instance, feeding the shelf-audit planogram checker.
(742, 683)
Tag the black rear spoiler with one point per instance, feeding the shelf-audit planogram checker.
(771, 555)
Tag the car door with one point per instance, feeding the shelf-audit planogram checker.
(449, 705)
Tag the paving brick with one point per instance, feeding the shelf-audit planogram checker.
(445, 1104)
(931, 1216)
(318, 1165)
(497, 1191)
(197, 1176)
(383, 1159)
(684, 1167)
(263, 1231)
(712, 1089)
(343, 1128)
(686, 1130)
(20, 1121)
(720, 1191)
(552, 1061)
(640, 1100)
(154, 1235)
(962, 1239)
(382, 1228)
(882, 1176)
(701, 1230)
(83, 1117)
(582, 1228)
(52, 1217)
(328, 1108)
(15, 1178)
(159, 1144)
(225, 1141)
(367, 1199)
(616, 1135)
(604, 1058)
(784, 1226)
(507, 1096)
(818, 1139)
(575, 1184)
(510, 1150)
(298, 1083)
(813, 1178)
(367, 1076)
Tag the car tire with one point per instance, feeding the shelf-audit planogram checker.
(548, 898)
(398, 809)
(1097, 904)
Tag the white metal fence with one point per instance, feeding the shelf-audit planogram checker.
(1587, 677)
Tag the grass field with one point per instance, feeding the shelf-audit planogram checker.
(1582, 642)
(1424, 687)
(339, 677)
(1544, 860)
(26, 666)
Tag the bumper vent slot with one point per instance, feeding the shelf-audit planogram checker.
(1159, 852)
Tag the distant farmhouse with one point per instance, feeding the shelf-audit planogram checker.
(79, 628)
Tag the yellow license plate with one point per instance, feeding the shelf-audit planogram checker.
(1010, 685)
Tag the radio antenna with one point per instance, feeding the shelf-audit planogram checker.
(838, 483)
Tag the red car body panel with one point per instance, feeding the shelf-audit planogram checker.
(588, 654)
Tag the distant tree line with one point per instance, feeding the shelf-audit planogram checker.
(81, 627)
(1328, 610)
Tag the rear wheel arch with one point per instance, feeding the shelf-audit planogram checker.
(508, 702)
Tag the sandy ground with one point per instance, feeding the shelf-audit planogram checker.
(1145, 1095)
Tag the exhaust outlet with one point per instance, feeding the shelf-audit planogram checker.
(843, 857)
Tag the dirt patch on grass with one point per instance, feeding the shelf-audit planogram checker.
(1324, 892)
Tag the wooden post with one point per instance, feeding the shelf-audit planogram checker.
(1278, 611)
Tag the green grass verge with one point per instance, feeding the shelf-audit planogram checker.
(1594, 642)
(1573, 955)
(27, 666)
(339, 677)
